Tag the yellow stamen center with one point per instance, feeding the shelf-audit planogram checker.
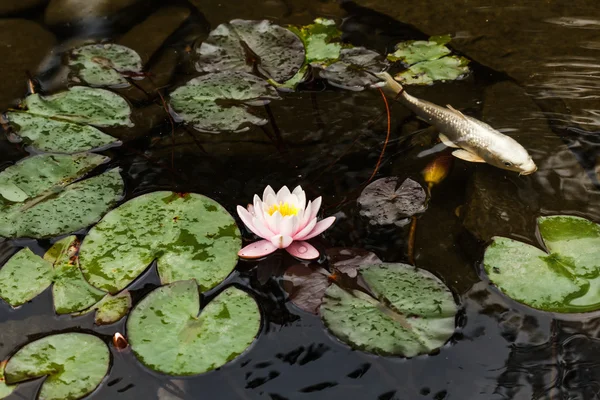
(284, 209)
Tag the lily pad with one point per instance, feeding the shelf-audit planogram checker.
(38, 198)
(221, 102)
(74, 364)
(355, 69)
(167, 334)
(54, 136)
(426, 73)
(24, 276)
(414, 51)
(567, 279)
(112, 308)
(5, 389)
(105, 64)
(244, 45)
(98, 107)
(384, 203)
(414, 312)
(190, 236)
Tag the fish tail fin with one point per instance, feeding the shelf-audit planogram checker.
(391, 84)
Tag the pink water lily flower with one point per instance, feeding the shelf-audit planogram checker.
(285, 221)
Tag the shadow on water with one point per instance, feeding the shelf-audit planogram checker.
(332, 140)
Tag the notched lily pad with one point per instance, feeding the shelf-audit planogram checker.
(222, 101)
(74, 364)
(413, 313)
(81, 104)
(355, 69)
(384, 203)
(167, 334)
(567, 279)
(244, 45)
(54, 136)
(105, 64)
(24, 276)
(190, 236)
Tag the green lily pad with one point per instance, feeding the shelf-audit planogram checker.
(427, 72)
(24, 276)
(167, 334)
(243, 45)
(74, 364)
(98, 107)
(5, 389)
(221, 102)
(565, 280)
(53, 136)
(414, 51)
(112, 308)
(105, 64)
(38, 198)
(190, 236)
(355, 69)
(414, 312)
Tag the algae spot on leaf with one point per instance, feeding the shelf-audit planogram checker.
(566, 280)
(74, 364)
(105, 64)
(355, 69)
(384, 203)
(188, 241)
(246, 46)
(167, 334)
(222, 101)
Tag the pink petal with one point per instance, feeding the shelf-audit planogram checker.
(261, 228)
(257, 249)
(281, 241)
(268, 191)
(301, 196)
(305, 216)
(316, 204)
(306, 230)
(287, 226)
(319, 228)
(303, 250)
(274, 222)
(247, 220)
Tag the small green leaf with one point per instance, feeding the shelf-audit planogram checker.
(321, 40)
(427, 72)
(414, 312)
(191, 236)
(104, 64)
(24, 276)
(5, 389)
(74, 365)
(84, 105)
(355, 69)
(112, 308)
(55, 136)
(412, 52)
(167, 335)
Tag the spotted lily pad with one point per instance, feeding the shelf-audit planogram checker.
(355, 69)
(190, 236)
(105, 64)
(167, 334)
(564, 279)
(5, 389)
(81, 104)
(74, 364)
(246, 46)
(414, 51)
(413, 312)
(222, 101)
(54, 136)
(39, 199)
(24, 276)
(384, 203)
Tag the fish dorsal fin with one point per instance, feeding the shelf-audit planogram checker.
(467, 156)
(447, 141)
(454, 110)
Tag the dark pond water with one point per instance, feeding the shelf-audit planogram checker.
(536, 76)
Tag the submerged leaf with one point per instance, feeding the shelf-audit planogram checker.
(167, 334)
(24, 276)
(566, 280)
(427, 72)
(190, 236)
(84, 105)
(221, 101)
(383, 204)
(74, 364)
(243, 45)
(355, 69)
(104, 64)
(53, 136)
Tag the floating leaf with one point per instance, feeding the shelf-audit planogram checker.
(74, 364)
(167, 334)
(112, 308)
(415, 51)
(84, 105)
(37, 198)
(50, 135)
(5, 389)
(427, 72)
(566, 280)
(243, 45)
(414, 312)
(384, 204)
(221, 101)
(355, 69)
(105, 64)
(190, 236)
(24, 276)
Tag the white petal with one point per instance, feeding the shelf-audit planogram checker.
(306, 230)
(247, 220)
(320, 228)
(301, 197)
(268, 191)
(259, 211)
(305, 216)
(283, 194)
(316, 204)
(270, 200)
(281, 241)
(288, 223)
(261, 228)
(299, 219)
(274, 222)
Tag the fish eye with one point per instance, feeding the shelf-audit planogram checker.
(506, 163)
